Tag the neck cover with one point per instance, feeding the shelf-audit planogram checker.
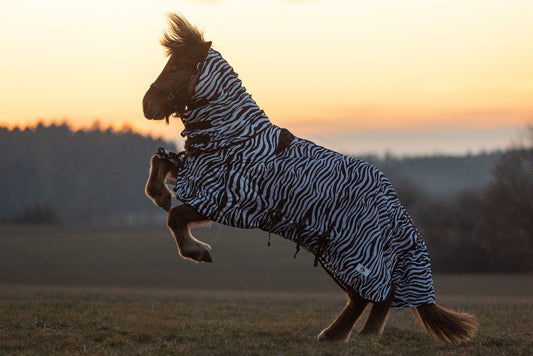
(242, 171)
(221, 112)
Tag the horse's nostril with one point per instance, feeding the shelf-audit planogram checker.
(147, 108)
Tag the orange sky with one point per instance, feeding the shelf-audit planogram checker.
(319, 68)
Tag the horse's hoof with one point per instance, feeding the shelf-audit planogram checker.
(327, 335)
(199, 254)
(206, 257)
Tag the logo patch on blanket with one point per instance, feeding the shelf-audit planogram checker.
(363, 270)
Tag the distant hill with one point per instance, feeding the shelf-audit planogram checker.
(99, 175)
(440, 176)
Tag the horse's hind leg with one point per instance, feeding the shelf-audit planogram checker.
(376, 319)
(180, 219)
(341, 328)
(156, 188)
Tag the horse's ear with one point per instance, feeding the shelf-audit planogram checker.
(205, 48)
(199, 52)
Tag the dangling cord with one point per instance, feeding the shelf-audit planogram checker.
(322, 241)
(268, 242)
(300, 227)
(297, 248)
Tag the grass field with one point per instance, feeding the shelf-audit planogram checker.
(126, 291)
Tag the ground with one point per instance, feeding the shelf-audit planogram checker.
(125, 291)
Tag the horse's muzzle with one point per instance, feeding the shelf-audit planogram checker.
(152, 108)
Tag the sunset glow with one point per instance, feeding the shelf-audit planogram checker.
(318, 68)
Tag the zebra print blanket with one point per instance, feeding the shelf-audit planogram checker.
(240, 170)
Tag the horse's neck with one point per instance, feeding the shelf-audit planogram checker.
(226, 103)
(227, 114)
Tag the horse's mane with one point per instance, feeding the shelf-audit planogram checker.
(180, 35)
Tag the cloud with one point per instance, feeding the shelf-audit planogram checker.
(306, 1)
(195, 1)
(207, 1)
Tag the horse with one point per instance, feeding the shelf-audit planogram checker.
(239, 169)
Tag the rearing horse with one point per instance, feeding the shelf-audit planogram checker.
(240, 170)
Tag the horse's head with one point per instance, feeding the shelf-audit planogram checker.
(174, 87)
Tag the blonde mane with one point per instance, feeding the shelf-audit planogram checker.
(180, 35)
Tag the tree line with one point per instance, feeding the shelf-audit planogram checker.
(52, 174)
(485, 230)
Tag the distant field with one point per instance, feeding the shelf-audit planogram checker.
(148, 257)
(125, 291)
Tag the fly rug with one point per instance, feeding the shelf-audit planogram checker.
(240, 170)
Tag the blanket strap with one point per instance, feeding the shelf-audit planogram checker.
(297, 248)
(198, 139)
(322, 241)
(198, 104)
(200, 125)
(300, 228)
(175, 158)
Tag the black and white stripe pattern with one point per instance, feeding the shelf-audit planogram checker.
(242, 171)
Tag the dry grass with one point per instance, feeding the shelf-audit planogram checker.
(127, 322)
(245, 303)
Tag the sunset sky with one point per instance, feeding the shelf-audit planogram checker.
(409, 77)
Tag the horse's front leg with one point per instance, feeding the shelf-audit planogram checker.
(156, 188)
(180, 219)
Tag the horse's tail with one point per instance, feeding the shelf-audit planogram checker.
(444, 324)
